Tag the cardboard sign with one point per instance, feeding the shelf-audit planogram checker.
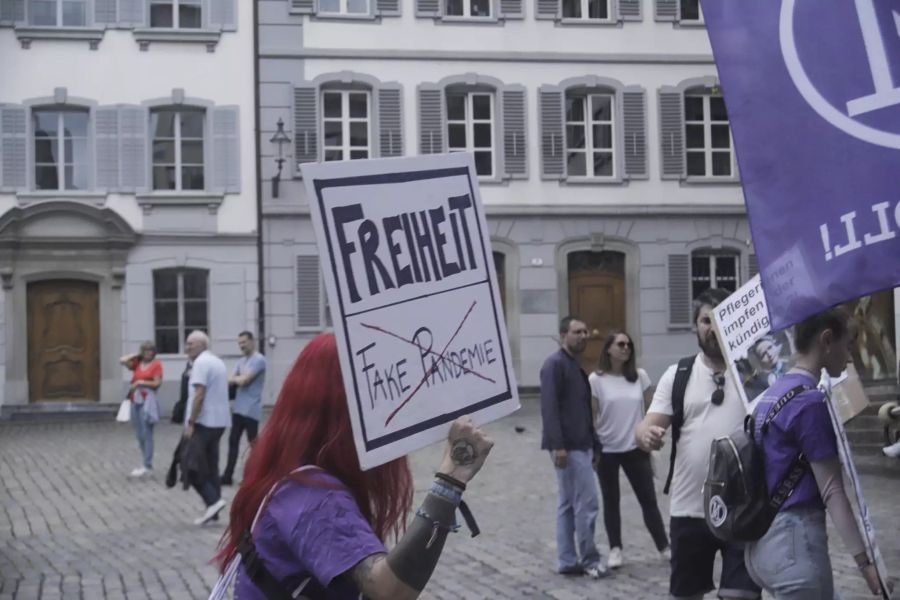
(407, 263)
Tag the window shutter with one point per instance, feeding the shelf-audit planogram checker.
(134, 162)
(553, 163)
(390, 121)
(512, 9)
(666, 10)
(671, 139)
(131, 12)
(12, 11)
(634, 119)
(106, 147)
(303, 7)
(308, 292)
(223, 14)
(226, 149)
(13, 147)
(105, 12)
(388, 8)
(431, 119)
(630, 10)
(515, 143)
(679, 290)
(546, 9)
(306, 123)
(752, 265)
(428, 8)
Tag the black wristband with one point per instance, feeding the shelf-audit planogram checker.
(451, 480)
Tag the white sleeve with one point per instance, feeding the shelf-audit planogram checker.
(199, 373)
(594, 381)
(662, 397)
(644, 379)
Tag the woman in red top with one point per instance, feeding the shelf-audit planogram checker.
(146, 378)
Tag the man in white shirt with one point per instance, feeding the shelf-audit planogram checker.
(712, 408)
(206, 416)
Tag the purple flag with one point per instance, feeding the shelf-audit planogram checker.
(813, 96)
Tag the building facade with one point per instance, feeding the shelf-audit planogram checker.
(127, 190)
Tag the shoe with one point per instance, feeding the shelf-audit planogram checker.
(139, 472)
(615, 558)
(597, 571)
(211, 511)
(892, 451)
(666, 554)
(226, 480)
(576, 570)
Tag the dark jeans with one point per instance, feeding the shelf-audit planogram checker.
(209, 486)
(636, 464)
(239, 424)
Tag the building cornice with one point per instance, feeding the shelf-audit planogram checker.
(492, 56)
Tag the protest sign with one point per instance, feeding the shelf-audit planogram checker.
(408, 268)
(813, 100)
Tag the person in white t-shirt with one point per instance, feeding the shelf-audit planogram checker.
(712, 408)
(619, 391)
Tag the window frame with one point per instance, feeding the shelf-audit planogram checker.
(700, 20)
(345, 120)
(182, 326)
(469, 123)
(585, 10)
(467, 11)
(178, 140)
(176, 16)
(60, 14)
(708, 150)
(584, 94)
(344, 12)
(59, 140)
(712, 255)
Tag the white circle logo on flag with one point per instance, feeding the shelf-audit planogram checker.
(718, 512)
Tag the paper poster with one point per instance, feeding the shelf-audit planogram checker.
(407, 263)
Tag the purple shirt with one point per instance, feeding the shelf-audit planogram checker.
(309, 530)
(803, 425)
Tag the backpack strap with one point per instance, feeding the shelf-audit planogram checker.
(682, 375)
(799, 467)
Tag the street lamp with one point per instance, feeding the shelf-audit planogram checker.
(280, 138)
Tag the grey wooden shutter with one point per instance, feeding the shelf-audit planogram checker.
(515, 144)
(303, 7)
(679, 266)
(223, 14)
(12, 11)
(131, 12)
(428, 8)
(106, 147)
(634, 121)
(752, 265)
(133, 160)
(666, 10)
(553, 157)
(308, 292)
(226, 149)
(105, 12)
(630, 10)
(13, 147)
(546, 9)
(671, 135)
(306, 123)
(431, 119)
(512, 9)
(388, 8)
(390, 121)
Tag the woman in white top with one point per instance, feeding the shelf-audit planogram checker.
(619, 391)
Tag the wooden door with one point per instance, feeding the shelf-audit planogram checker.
(63, 341)
(597, 295)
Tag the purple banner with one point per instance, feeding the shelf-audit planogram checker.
(813, 96)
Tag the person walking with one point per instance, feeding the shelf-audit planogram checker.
(785, 568)
(320, 521)
(249, 377)
(206, 418)
(146, 377)
(569, 437)
(699, 400)
(619, 393)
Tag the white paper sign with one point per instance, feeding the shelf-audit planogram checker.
(407, 262)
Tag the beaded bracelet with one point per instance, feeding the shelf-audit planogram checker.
(451, 480)
(447, 492)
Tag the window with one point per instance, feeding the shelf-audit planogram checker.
(57, 13)
(344, 7)
(690, 11)
(177, 148)
(470, 127)
(61, 156)
(585, 9)
(180, 305)
(176, 14)
(345, 122)
(707, 137)
(589, 135)
(710, 269)
(468, 8)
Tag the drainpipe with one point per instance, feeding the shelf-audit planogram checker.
(257, 128)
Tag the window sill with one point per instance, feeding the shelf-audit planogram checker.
(691, 24)
(711, 181)
(179, 199)
(340, 17)
(457, 20)
(209, 37)
(614, 181)
(569, 22)
(30, 197)
(28, 33)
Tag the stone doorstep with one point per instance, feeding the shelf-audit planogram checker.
(47, 412)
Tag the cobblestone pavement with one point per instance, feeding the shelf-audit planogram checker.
(74, 526)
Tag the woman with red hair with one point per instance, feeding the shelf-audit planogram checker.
(320, 521)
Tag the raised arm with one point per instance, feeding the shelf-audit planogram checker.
(129, 360)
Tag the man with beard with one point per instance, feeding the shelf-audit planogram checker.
(569, 436)
(711, 408)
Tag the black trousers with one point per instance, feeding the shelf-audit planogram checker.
(239, 424)
(636, 464)
(208, 485)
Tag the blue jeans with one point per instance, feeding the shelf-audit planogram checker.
(791, 561)
(576, 512)
(143, 428)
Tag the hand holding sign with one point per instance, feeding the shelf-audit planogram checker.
(467, 449)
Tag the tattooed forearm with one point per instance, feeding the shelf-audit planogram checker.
(463, 453)
(362, 572)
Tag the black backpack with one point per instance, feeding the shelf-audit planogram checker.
(737, 505)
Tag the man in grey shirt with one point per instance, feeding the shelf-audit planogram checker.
(249, 377)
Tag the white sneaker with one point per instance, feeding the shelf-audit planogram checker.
(211, 511)
(892, 451)
(666, 554)
(598, 571)
(615, 558)
(139, 472)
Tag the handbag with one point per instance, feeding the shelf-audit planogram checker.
(124, 414)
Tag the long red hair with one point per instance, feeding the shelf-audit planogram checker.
(310, 425)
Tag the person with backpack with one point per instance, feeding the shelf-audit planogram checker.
(791, 559)
(699, 400)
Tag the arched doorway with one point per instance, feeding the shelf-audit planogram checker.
(597, 295)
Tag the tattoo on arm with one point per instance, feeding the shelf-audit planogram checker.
(362, 572)
(462, 452)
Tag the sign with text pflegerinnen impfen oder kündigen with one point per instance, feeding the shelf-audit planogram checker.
(407, 263)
